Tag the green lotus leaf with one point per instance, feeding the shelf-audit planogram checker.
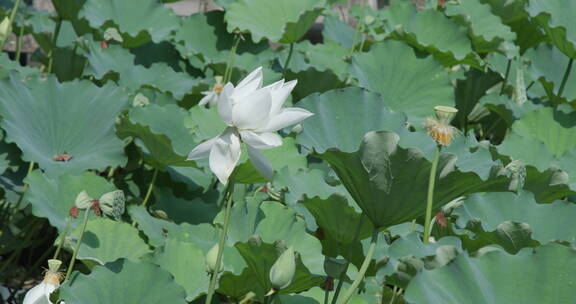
(342, 117)
(235, 287)
(556, 19)
(337, 218)
(185, 261)
(260, 257)
(304, 183)
(382, 177)
(151, 226)
(338, 31)
(139, 23)
(486, 29)
(430, 31)
(7, 65)
(131, 75)
(212, 43)
(551, 134)
(106, 240)
(51, 118)
(546, 222)
(273, 222)
(549, 185)
(52, 197)
(407, 83)
(123, 282)
(181, 210)
(283, 21)
(323, 57)
(497, 277)
(549, 65)
(469, 91)
(161, 134)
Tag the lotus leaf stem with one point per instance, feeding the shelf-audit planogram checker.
(75, 253)
(430, 198)
(363, 268)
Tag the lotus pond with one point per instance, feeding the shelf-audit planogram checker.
(288, 151)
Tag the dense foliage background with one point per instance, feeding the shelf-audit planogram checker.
(109, 101)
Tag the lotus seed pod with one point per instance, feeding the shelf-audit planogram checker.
(440, 129)
(5, 28)
(445, 114)
(112, 204)
(211, 258)
(83, 200)
(283, 270)
(334, 267)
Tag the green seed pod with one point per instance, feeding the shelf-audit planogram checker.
(112, 204)
(334, 267)
(5, 28)
(83, 200)
(283, 270)
(211, 258)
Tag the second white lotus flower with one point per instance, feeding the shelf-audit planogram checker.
(253, 114)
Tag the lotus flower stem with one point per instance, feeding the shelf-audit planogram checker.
(231, 58)
(150, 187)
(363, 268)
(507, 73)
(19, 44)
(227, 212)
(565, 78)
(75, 253)
(55, 257)
(359, 22)
(326, 295)
(54, 39)
(285, 68)
(343, 274)
(430, 198)
(30, 169)
(12, 15)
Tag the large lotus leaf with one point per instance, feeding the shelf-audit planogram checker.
(337, 218)
(46, 118)
(407, 83)
(106, 240)
(304, 183)
(151, 226)
(116, 59)
(549, 65)
(497, 277)
(7, 65)
(343, 116)
(123, 282)
(52, 197)
(204, 123)
(338, 31)
(469, 91)
(283, 21)
(274, 222)
(547, 222)
(161, 132)
(549, 185)
(430, 31)
(211, 42)
(260, 257)
(389, 182)
(185, 261)
(486, 29)
(557, 18)
(323, 57)
(181, 210)
(138, 23)
(551, 136)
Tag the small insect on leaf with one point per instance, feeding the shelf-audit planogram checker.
(63, 157)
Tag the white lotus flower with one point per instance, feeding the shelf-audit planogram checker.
(40, 294)
(211, 97)
(253, 115)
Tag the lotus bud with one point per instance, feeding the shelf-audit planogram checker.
(517, 169)
(83, 200)
(211, 258)
(5, 28)
(283, 270)
(439, 128)
(112, 204)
